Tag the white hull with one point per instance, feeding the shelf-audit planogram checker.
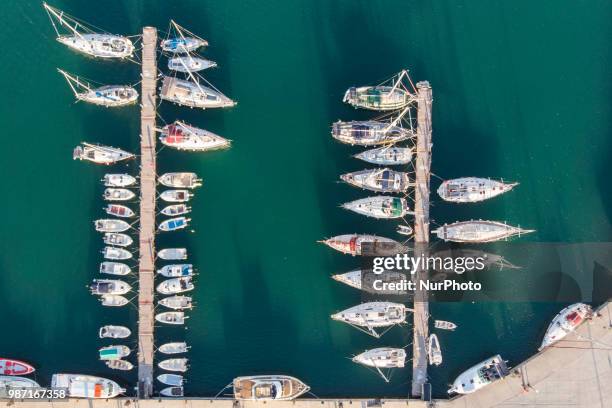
(171, 379)
(181, 136)
(9, 382)
(175, 210)
(175, 286)
(386, 156)
(99, 45)
(358, 244)
(173, 348)
(194, 95)
(480, 375)
(444, 325)
(115, 253)
(268, 388)
(114, 352)
(565, 323)
(368, 133)
(109, 287)
(382, 207)
(190, 64)
(117, 239)
(379, 180)
(115, 268)
(180, 180)
(472, 189)
(182, 44)
(110, 96)
(100, 154)
(373, 315)
(86, 386)
(176, 318)
(113, 300)
(173, 254)
(434, 352)
(111, 225)
(383, 357)
(119, 210)
(177, 302)
(176, 271)
(174, 364)
(118, 194)
(114, 332)
(478, 231)
(119, 365)
(378, 98)
(118, 180)
(176, 196)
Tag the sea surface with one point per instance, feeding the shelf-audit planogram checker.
(522, 90)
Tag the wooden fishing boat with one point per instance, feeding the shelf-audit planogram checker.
(117, 239)
(381, 207)
(109, 287)
(113, 300)
(177, 302)
(369, 316)
(268, 388)
(386, 155)
(174, 224)
(173, 254)
(175, 380)
(118, 180)
(114, 352)
(106, 95)
(115, 268)
(176, 196)
(81, 37)
(111, 225)
(175, 285)
(379, 180)
(100, 154)
(119, 365)
(434, 352)
(172, 392)
(371, 132)
(472, 189)
(118, 194)
(180, 180)
(182, 136)
(119, 210)
(9, 366)
(86, 386)
(176, 270)
(174, 364)
(364, 244)
(115, 253)
(565, 323)
(176, 318)
(176, 209)
(190, 64)
(114, 332)
(389, 95)
(173, 348)
(193, 94)
(444, 325)
(478, 231)
(482, 374)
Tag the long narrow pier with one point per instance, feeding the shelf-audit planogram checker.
(148, 194)
(421, 235)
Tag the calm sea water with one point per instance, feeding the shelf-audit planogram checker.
(521, 91)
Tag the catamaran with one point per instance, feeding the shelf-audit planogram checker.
(180, 180)
(173, 254)
(369, 316)
(115, 253)
(84, 39)
(176, 318)
(478, 231)
(173, 348)
(86, 386)
(384, 207)
(190, 64)
(176, 209)
(114, 352)
(118, 194)
(382, 358)
(111, 225)
(182, 136)
(174, 364)
(117, 239)
(9, 366)
(391, 94)
(175, 285)
(118, 180)
(100, 154)
(113, 300)
(379, 180)
(434, 352)
(193, 94)
(109, 287)
(119, 365)
(386, 155)
(444, 325)
(119, 210)
(115, 268)
(371, 132)
(171, 379)
(365, 280)
(114, 332)
(472, 189)
(176, 196)
(176, 270)
(565, 323)
(177, 302)
(106, 95)
(174, 224)
(364, 244)
(268, 388)
(480, 375)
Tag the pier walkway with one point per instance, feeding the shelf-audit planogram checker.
(148, 195)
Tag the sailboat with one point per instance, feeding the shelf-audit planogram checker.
(472, 189)
(118, 180)
(190, 64)
(84, 39)
(386, 155)
(565, 323)
(371, 132)
(369, 316)
(478, 231)
(193, 94)
(379, 180)
(268, 388)
(391, 94)
(364, 244)
(107, 95)
(434, 352)
(366, 280)
(384, 207)
(100, 154)
(86, 386)
(182, 136)
(180, 180)
(184, 41)
(382, 358)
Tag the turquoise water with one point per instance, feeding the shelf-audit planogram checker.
(521, 91)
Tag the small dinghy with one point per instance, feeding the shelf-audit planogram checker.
(173, 348)
(100, 154)
(176, 318)
(175, 380)
(390, 95)
(173, 254)
(109, 287)
(404, 230)
(172, 392)
(114, 352)
(113, 300)
(8, 382)
(444, 325)
(174, 364)
(9, 366)
(383, 358)
(565, 323)
(478, 231)
(86, 386)
(174, 224)
(119, 365)
(181, 136)
(119, 210)
(482, 374)
(176, 196)
(193, 94)
(368, 316)
(118, 180)
(114, 332)
(115, 268)
(371, 132)
(434, 353)
(190, 64)
(118, 194)
(176, 209)
(379, 180)
(111, 225)
(177, 302)
(117, 239)
(176, 270)
(382, 207)
(386, 156)
(472, 189)
(182, 44)
(180, 180)
(268, 388)
(176, 285)
(364, 244)
(107, 95)
(115, 253)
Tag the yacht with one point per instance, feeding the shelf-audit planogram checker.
(480, 375)
(565, 323)
(472, 189)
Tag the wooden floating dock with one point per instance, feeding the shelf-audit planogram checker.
(148, 195)
(421, 235)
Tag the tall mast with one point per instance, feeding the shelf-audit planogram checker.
(60, 19)
(399, 79)
(72, 80)
(397, 119)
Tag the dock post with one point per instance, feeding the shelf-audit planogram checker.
(421, 235)
(148, 195)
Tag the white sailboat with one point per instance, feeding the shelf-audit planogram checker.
(86, 386)
(369, 316)
(379, 180)
(193, 94)
(386, 155)
(106, 95)
(118, 180)
(372, 132)
(365, 280)
(182, 40)
(100, 154)
(190, 63)
(565, 322)
(180, 180)
(472, 189)
(182, 136)
(382, 207)
(391, 94)
(364, 244)
(478, 231)
(482, 374)
(382, 358)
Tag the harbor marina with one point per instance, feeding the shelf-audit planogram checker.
(120, 365)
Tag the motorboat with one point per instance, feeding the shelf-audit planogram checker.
(115, 268)
(175, 380)
(390, 95)
(403, 229)
(176, 270)
(174, 224)
(382, 207)
(119, 210)
(386, 155)
(111, 225)
(177, 302)
(176, 318)
(109, 287)
(175, 209)
(174, 364)
(114, 352)
(173, 254)
(9, 366)
(180, 180)
(444, 325)
(472, 189)
(100, 154)
(364, 244)
(369, 316)
(173, 348)
(172, 392)
(565, 322)
(115, 253)
(380, 180)
(113, 300)
(268, 388)
(86, 386)
(190, 64)
(9, 383)
(482, 374)
(176, 196)
(434, 352)
(478, 231)
(114, 332)
(118, 180)
(193, 94)
(118, 194)
(119, 365)
(117, 239)
(175, 285)
(182, 136)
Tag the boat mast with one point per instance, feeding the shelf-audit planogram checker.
(396, 120)
(399, 80)
(189, 73)
(379, 370)
(71, 80)
(60, 19)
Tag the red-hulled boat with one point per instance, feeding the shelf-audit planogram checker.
(14, 367)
